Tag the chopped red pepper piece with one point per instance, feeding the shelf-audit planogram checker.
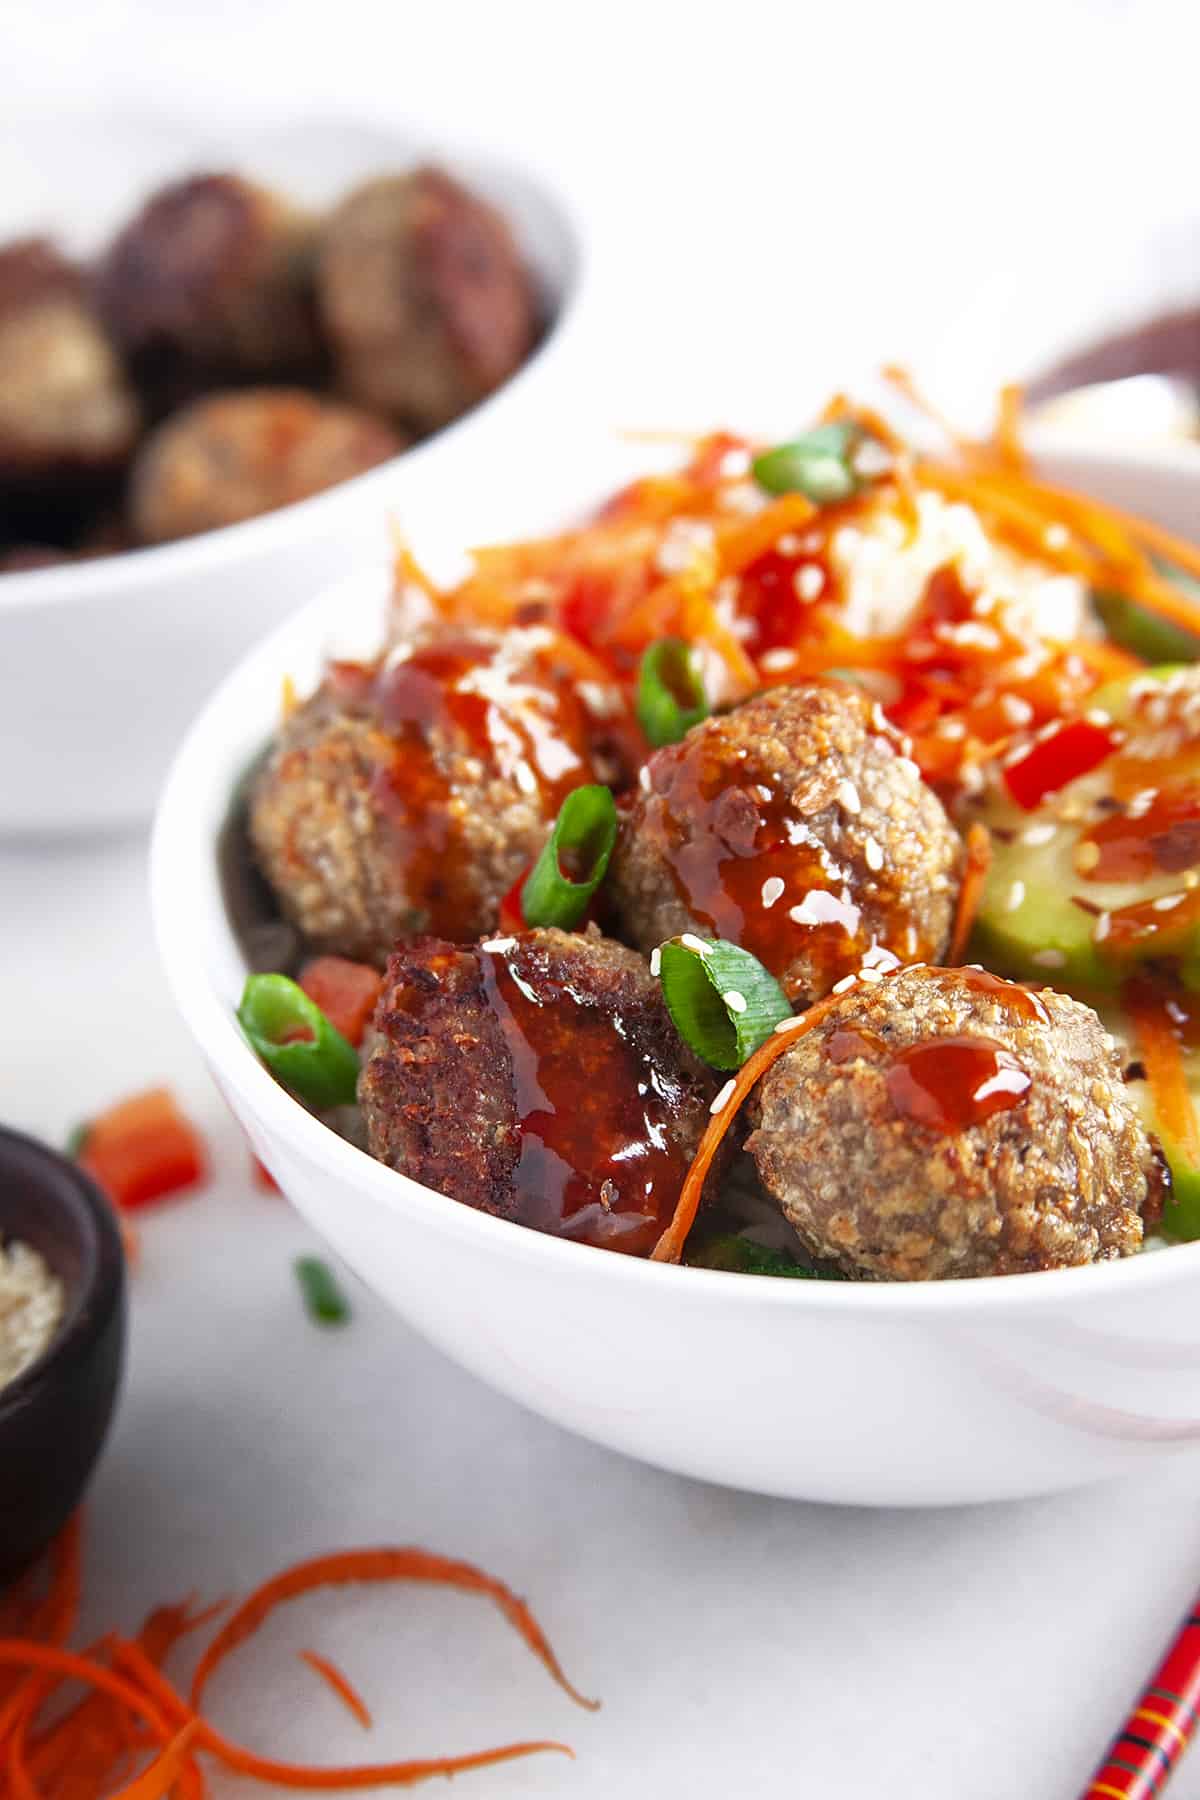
(511, 916)
(143, 1149)
(345, 991)
(1049, 764)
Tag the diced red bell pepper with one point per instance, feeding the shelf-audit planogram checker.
(1075, 749)
(143, 1149)
(345, 991)
(511, 916)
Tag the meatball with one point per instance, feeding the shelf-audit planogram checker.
(537, 1077)
(424, 297)
(944, 1122)
(67, 413)
(409, 795)
(212, 281)
(794, 827)
(233, 456)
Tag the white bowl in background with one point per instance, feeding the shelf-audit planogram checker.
(103, 663)
(888, 1394)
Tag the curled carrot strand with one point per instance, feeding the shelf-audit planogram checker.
(333, 1677)
(970, 892)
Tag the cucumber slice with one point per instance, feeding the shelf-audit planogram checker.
(1030, 924)
(1181, 1214)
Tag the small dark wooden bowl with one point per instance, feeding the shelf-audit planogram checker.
(54, 1416)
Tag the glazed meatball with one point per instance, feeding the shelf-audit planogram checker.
(409, 795)
(537, 1077)
(943, 1123)
(794, 827)
(423, 296)
(67, 413)
(233, 456)
(212, 281)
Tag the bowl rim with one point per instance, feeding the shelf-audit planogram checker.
(158, 564)
(90, 1313)
(185, 891)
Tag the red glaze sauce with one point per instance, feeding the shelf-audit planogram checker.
(1019, 1002)
(1153, 927)
(751, 869)
(949, 1084)
(771, 596)
(462, 696)
(600, 1161)
(1163, 840)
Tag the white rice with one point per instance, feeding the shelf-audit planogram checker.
(883, 573)
(31, 1305)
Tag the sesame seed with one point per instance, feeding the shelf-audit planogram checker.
(721, 1100)
(644, 778)
(873, 854)
(1168, 902)
(1049, 959)
(773, 662)
(953, 729)
(772, 888)
(1098, 716)
(792, 1024)
(498, 945)
(1102, 928)
(1087, 857)
(840, 987)
(656, 960)
(525, 778)
(695, 944)
(734, 1001)
(788, 544)
(1056, 537)
(867, 974)
(808, 581)
(1038, 834)
(847, 795)
(1016, 896)
(1016, 710)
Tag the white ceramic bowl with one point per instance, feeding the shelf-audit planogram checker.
(902, 1394)
(102, 664)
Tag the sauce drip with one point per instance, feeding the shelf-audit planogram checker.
(600, 1160)
(1018, 1002)
(949, 1084)
(1164, 927)
(750, 868)
(507, 706)
(1162, 840)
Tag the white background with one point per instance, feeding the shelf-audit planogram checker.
(779, 194)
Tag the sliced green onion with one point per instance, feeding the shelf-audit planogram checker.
(291, 1034)
(1135, 627)
(670, 692)
(744, 1257)
(724, 1004)
(323, 1298)
(77, 1139)
(573, 861)
(818, 464)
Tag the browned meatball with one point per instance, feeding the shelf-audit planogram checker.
(794, 827)
(537, 1077)
(211, 281)
(409, 795)
(424, 297)
(22, 559)
(944, 1122)
(67, 413)
(233, 456)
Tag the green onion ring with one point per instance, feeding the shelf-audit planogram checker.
(722, 1001)
(292, 1036)
(584, 832)
(324, 1300)
(818, 464)
(670, 692)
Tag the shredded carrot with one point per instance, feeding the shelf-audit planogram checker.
(670, 1245)
(1160, 1051)
(403, 1563)
(970, 893)
(1009, 407)
(164, 1771)
(341, 1685)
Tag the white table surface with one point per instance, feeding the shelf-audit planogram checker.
(781, 191)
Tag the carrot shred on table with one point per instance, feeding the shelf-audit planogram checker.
(670, 1245)
(131, 1711)
(341, 1685)
(970, 893)
(400, 1563)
